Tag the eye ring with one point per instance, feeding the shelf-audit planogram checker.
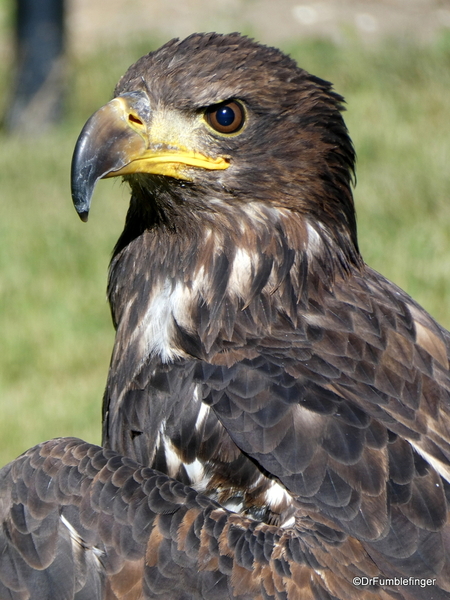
(226, 117)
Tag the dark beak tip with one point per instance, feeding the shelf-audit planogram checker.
(84, 215)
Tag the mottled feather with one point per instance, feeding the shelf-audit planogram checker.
(155, 537)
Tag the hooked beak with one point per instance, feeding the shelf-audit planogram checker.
(122, 138)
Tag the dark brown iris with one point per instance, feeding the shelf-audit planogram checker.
(226, 117)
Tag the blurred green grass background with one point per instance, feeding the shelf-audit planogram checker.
(55, 329)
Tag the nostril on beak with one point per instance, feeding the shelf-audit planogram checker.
(134, 119)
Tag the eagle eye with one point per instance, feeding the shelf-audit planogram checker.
(226, 117)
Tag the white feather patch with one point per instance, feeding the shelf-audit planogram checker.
(195, 472)
(275, 495)
(244, 266)
(234, 506)
(443, 470)
(202, 416)
(288, 523)
(77, 541)
(171, 303)
(173, 461)
(315, 244)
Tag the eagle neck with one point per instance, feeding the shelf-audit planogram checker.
(220, 283)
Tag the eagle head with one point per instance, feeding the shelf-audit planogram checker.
(214, 125)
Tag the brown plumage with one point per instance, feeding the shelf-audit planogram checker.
(85, 522)
(258, 361)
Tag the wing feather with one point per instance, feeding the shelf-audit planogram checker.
(151, 534)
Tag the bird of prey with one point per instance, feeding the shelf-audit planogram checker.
(288, 404)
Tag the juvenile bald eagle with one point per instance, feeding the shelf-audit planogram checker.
(296, 401)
